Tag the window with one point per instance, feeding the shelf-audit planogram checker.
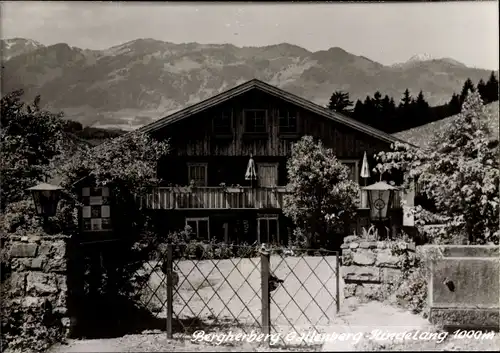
(255, 120)
(268, 229)
(353, 169)
(197, 172)
(223, 122)
(267, 174)
(199, 227)
(287, 122)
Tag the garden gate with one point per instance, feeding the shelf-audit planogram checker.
(233, 289)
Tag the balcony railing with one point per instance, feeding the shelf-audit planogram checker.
(165, 198)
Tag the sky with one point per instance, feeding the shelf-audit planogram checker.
(385, 32)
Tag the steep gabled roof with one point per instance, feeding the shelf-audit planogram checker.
(272, 90)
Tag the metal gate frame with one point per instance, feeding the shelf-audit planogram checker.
(267, 278)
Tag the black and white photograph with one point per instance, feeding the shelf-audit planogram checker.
(249, 176)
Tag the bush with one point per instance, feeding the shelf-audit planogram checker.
(412, 292)
(246, 250)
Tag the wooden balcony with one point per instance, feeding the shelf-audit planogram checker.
(216, 198)
(164, 198)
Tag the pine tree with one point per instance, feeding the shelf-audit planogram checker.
(406, 100)
(359, 112)
(420, 101)
(481, 88)
(468, 86)
(377, 100)
(386, 102)
(339, 102)
(454, 105)
(388, 114)
(370, 111)
(492, 93)
(422, 109)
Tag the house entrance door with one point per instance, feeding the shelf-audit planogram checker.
(268, 229)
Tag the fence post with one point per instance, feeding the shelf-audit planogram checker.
(337, 280)
(266, 298)
(170, 290)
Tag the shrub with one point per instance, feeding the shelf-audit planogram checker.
(412, 292)
(246, 250)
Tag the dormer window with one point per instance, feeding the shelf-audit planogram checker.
(287, 122)
(223, 123)
(255, 120)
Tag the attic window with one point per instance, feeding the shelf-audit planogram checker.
(223, 122)
(287, 122)
(255, 120)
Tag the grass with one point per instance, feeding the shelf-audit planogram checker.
(421, 135)
(219, 291)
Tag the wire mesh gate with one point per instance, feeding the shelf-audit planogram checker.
(241, 294)
(216, 289)
(304, 305)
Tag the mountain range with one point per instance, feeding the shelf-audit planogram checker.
(134, 83)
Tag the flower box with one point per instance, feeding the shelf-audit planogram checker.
(234, 190)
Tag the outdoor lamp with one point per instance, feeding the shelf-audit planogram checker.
(46, 198)
(380, 196)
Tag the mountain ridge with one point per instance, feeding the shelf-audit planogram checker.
(136, 82)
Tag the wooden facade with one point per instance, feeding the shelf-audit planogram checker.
(211, 144)
(198, 136)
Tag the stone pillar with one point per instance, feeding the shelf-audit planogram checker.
(370, 268)
(39, 273)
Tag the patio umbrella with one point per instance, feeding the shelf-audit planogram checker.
(365, 169)
(250, 174)
(365, 174)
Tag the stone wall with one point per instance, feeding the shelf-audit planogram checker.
(38, 275)
(370, 267)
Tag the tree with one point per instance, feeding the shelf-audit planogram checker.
(422, 109)
(359, 112)
(388, 114)
(468, 86)
(322, 197)
(492, 88)
(31, 142)
(420, 101)
(369, 111)
(127, 163)
(406, 100)
(454, 105)
(377, 100)
(339, 102)
(459, 172)
(481, 88)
